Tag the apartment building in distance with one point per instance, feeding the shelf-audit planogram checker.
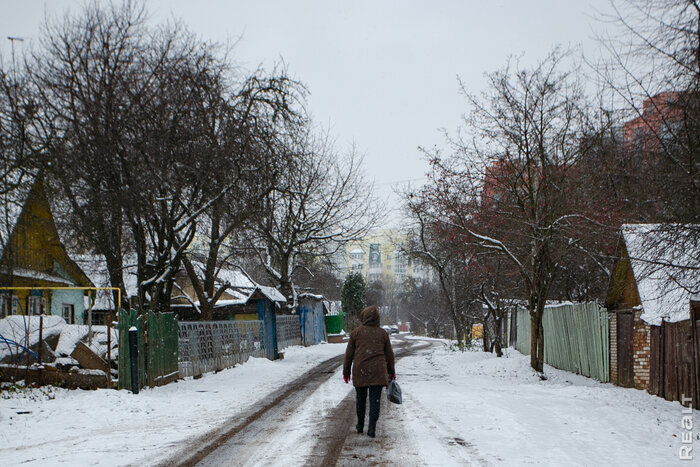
(379, 257)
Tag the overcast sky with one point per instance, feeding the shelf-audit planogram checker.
(382, 74)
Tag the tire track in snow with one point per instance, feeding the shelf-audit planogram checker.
(245, 439)
(341, 445)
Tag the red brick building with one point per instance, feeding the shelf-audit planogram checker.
(658, 122)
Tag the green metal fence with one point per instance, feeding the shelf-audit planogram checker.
(157, 348)
(575, 338)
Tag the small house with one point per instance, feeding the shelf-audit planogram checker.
(243, 299)
(36, 274)
(653, 333)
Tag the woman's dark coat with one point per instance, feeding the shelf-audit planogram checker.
(369, 352)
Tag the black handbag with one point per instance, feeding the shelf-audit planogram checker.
(393, 392)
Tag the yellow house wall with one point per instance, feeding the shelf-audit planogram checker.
(35, 245)
(245, 317)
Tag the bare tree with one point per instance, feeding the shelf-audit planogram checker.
(143, 137)
(504, 190)
(436, 247)
(423, 304)
(652, 70)
(320, 204)
(85, 76)
(243, 134)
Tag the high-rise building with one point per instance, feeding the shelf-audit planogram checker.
(379, 256)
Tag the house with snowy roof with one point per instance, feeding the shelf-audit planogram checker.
(241, 299)
(102, 302)
(654, 318)
(36, 272)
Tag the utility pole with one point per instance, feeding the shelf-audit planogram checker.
(12, 40)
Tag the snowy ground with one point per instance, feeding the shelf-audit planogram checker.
(108, 427)
(508, 416)
(459, 409)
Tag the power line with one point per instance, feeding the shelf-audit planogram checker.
(400, 181)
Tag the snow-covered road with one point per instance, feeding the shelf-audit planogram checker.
(459, 409)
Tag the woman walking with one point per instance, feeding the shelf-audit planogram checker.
(371, 359)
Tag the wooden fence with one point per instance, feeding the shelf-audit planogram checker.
(157, 348)
(673, 372)
(575, 338)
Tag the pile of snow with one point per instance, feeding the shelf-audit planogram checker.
(97, 341)
(60, 338)
(25, 330)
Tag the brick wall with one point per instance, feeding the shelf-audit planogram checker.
(641, 351)
(613, 347)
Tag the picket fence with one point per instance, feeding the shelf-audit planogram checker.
(157, 348)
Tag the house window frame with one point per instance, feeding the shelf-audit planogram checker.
(69, 317)
(34, 301)
(7, 305)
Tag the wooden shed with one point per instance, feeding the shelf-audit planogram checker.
(653, 325)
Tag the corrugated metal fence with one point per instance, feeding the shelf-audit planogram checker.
(575, 338)
(288, 331)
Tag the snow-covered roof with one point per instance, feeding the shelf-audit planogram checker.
(37, 275)
(235, 277)
(356, 251)
(272, 293)
(312, 296)
(95, 267)
(665, 262)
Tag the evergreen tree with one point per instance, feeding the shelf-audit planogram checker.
(353, 298)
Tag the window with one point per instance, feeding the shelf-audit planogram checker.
(399, 263)
(36, 305)
(5, 305)
(68, 312)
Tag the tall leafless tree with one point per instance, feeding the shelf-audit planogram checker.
(320, 204)
(504, 190)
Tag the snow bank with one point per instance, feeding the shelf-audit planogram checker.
(25, 331)
(15, 328)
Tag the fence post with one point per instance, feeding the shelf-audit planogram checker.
(134, 357)
(41, 338)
